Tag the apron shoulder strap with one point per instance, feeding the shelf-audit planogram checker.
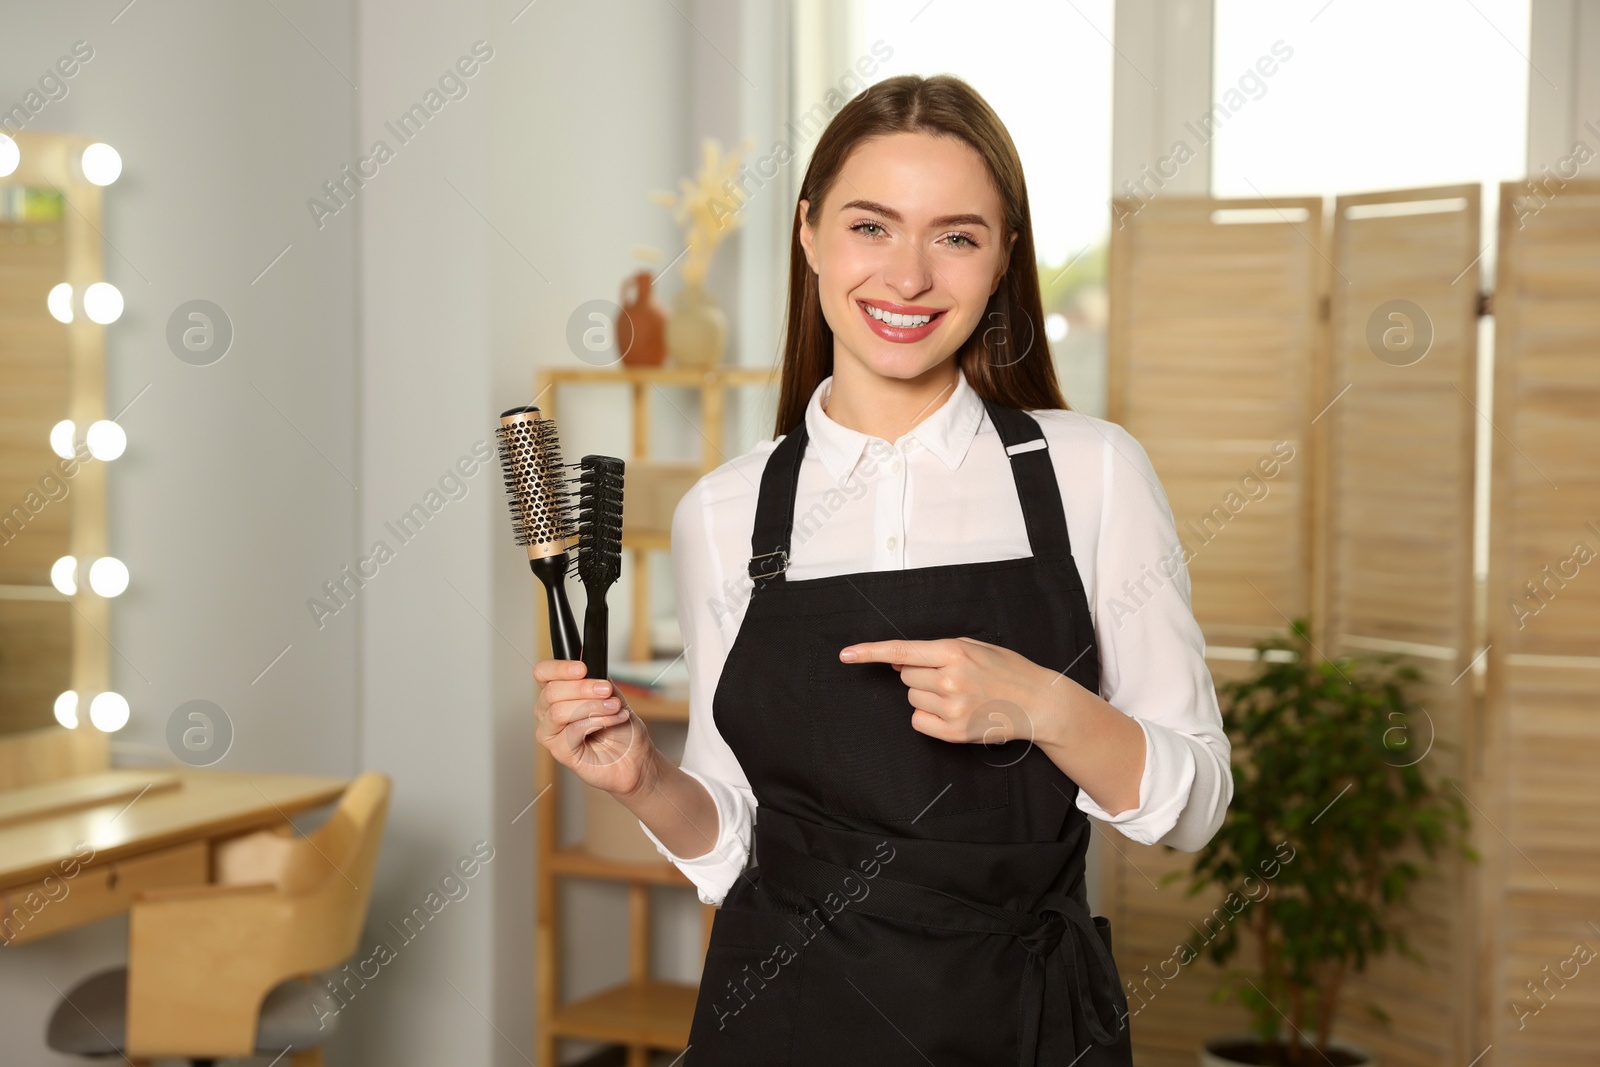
(769, 538)
(1035, 476)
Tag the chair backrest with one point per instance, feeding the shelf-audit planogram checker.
(329, 885)
(202, 959)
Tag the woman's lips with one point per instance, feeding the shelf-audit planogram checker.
(898, 334)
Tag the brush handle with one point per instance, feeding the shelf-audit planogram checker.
(596, 630)
(552, 571)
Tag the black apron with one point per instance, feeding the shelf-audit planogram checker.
(912, 900)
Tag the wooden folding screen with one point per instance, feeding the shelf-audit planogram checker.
(1215, 341)
(1396, 454)
(1214, 337)
(1540, 934)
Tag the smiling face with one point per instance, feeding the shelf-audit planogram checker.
(908, 247)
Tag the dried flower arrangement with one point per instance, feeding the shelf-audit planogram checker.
(707, 208)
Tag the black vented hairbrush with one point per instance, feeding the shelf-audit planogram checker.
(541, 514)
(599, 551)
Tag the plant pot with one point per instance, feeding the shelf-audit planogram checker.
(697, 332)
(1235, 1050)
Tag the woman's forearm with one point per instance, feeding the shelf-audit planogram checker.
(676, 808)
(1094, 744)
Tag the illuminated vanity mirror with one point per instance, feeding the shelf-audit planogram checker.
(57, 576)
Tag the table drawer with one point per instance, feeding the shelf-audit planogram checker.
(97, 892)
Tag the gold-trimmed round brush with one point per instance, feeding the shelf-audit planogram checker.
(541, 514)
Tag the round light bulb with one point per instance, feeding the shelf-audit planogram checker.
(108, 576)
(106, 440)
(60, 302)
(64, 575)
(102, 302)
(101, 164)
(61, 438)
(67, 709)
(10, 155)
(109, 712)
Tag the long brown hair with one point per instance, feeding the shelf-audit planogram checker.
(1006, 358)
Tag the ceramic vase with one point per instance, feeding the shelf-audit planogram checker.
(697, 332)
(642, 324)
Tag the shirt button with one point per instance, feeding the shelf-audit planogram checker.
(895, 466)
(907, 445)
(892, 542)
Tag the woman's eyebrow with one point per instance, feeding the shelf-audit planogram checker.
(894, 216)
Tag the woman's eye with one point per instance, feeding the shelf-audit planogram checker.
(957, 240)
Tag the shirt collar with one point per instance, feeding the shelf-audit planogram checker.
(947, 431)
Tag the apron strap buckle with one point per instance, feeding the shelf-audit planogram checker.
(766, 570)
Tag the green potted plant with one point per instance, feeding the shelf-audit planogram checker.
(1329, 796)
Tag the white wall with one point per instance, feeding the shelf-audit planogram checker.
(594, 105)
(374, 354)
(1563, 93)
(1163, 78)
(427, 708)
(478, 245)
(514, 206)
(227, 517)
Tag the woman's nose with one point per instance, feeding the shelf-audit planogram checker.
(908, 271)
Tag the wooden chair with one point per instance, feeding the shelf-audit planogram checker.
(226, 969)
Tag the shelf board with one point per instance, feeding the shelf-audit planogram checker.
(576, 861)
(657, 539)
(644, 1012)
(655, 709)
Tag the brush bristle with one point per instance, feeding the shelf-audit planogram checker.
(535, 479)
(600, 521)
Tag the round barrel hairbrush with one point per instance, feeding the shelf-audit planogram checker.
(599, 550)
(542, 514)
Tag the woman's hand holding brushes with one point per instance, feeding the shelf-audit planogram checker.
(589, 728)
(599, 744)
(579, 717)
(584, 723)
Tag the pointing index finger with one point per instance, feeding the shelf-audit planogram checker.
(919, 652)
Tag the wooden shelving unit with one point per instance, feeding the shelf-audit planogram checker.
(641, 1012)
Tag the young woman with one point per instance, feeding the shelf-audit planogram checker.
(932, 626)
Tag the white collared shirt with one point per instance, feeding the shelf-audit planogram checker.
(944, 493)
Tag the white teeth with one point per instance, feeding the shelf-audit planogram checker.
(902, 321)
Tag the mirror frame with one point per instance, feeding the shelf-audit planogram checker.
(48, 753)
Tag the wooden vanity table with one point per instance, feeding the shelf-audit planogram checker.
(76, 850)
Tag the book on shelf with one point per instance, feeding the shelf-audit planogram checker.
(664, 679)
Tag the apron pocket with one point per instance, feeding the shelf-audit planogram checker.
(870, 762)
(749, 991)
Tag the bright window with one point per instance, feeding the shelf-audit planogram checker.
(1375, 95)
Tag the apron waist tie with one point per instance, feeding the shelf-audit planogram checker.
(1083, 967)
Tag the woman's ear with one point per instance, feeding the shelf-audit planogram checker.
(807, 236)
(1005, 264)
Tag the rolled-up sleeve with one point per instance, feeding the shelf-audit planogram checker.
(709, 609)
(1152, 658)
